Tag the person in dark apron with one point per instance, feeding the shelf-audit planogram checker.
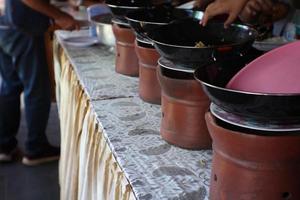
(23, 68)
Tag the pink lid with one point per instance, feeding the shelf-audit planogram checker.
(277, 71)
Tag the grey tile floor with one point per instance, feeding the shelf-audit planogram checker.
(18, 182)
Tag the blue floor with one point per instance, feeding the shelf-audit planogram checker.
(19, 182)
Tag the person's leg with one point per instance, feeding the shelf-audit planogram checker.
(29, 58)
(10, 89)
(33, 72)
(35, 78)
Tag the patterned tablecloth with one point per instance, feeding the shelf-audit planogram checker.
(155, 169)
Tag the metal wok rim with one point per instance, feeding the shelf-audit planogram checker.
(186, 70)
(145, 41)
(147, 22)
(247, 127)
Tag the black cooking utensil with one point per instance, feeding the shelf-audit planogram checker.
(146, 20)
(120, 8)
(177, 42)
(278, 108)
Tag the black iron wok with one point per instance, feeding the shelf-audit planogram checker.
(275, 108)
(176, 41)
(120, 8)
(146, 20)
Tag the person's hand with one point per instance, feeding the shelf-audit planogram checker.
(230, 7)
(256, 8)
(263, 11)
(66, 22)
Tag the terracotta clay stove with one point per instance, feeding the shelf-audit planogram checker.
(184, 105)
(250, 166)
(126, 59)
(149, 88)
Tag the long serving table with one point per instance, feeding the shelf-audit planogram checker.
(110, 141)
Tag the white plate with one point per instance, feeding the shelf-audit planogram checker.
(81, 41)
(270, 43)
(250, 123)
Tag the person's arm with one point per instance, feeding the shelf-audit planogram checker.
(218, 7)
(62, 19)
(263, 11)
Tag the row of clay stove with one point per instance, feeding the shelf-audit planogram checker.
(183, 106)
(133, 59)
(244, 166)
